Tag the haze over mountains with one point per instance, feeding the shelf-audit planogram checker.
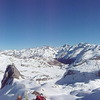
(63, 73)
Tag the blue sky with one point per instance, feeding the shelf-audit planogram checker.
(34, 23)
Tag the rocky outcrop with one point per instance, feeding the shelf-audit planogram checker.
(9, 75)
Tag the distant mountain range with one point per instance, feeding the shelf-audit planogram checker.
(76, 54)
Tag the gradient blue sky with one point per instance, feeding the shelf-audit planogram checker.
(34, 23)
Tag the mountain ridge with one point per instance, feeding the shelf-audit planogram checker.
(75, 54)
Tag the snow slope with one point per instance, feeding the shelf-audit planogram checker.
(78, 54)
(77, 80)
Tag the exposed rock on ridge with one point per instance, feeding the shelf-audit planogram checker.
(9, 75)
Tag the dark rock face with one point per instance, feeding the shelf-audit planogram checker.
(66, 61)
(9, 75)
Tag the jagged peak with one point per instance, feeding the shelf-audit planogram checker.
(79, 53)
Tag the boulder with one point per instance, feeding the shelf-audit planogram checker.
(11, 72)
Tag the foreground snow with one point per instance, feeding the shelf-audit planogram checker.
(43, 80)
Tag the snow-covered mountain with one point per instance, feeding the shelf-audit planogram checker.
(64, 73)
(78, 54)
(37, 57)
(45, 51)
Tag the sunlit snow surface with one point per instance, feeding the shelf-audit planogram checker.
(53, 80)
